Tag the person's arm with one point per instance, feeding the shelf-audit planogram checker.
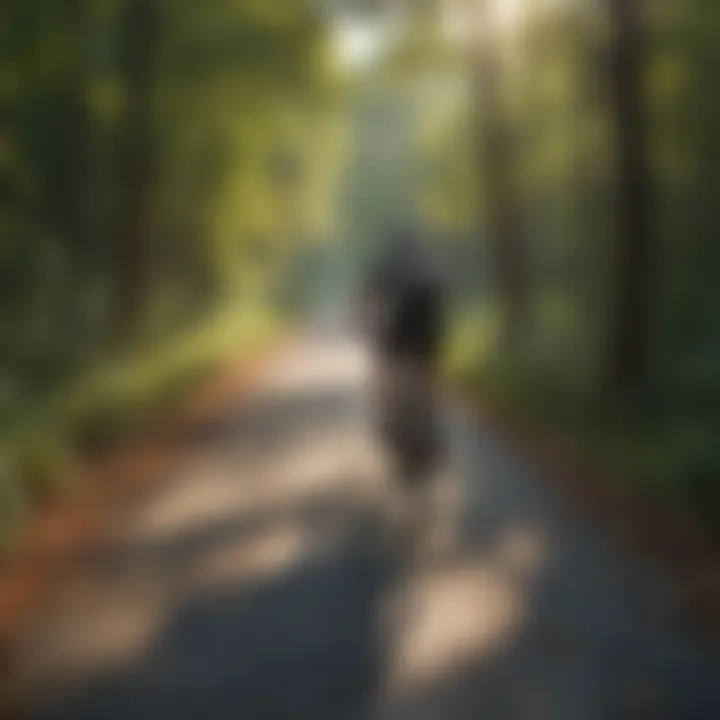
(365, 307)
(376, 293)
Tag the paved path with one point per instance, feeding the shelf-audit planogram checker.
(264, 583)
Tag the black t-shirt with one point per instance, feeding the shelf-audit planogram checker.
(412, 314)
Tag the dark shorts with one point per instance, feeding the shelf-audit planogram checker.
(407, 416)
(426, 353)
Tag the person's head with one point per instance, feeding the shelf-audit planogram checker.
(402, 256)
(405, 246)
(406, 239)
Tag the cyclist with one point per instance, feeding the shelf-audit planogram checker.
(405, 298)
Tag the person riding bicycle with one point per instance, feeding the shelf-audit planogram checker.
(406, 296)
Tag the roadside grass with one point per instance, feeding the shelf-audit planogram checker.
(39, 455)
(662, 445)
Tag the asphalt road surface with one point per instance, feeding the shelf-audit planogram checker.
(275, 578)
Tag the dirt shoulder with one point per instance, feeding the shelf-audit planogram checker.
(60, 533)
(671, 539)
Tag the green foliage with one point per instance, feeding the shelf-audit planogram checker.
(558, 107)
(165, 163)
(40, 455)
(162, 164)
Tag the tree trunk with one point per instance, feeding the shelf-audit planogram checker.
(630, 338)
(76, 148)
(136, 169)
(498, 166)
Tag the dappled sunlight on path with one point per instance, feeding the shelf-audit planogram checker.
(272, 578)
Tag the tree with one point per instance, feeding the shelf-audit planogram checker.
(498, 166)
(630, 337)
(137, 145)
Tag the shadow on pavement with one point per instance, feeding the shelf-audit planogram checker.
(527, 617)
(264, 423)
(303, 644)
